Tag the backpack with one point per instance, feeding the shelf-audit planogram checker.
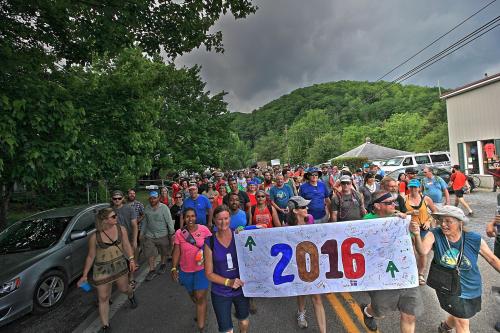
(354, 196)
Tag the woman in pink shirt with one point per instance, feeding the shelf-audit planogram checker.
(188, 253)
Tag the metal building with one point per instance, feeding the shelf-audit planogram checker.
(474, 126)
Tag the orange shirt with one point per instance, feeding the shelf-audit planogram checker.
(458, 179)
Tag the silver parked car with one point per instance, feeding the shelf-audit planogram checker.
(40, 256)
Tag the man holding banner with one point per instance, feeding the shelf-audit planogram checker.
(407, 301)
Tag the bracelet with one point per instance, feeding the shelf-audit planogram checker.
(226, 283)
(131, 258)
(173, 269)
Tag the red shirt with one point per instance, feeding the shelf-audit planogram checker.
(458, 179)
(263, 216)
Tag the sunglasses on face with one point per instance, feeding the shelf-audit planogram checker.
(260, 196)
(178, 197)
(388, 203)
(117, 198)
(112, 216)
(314, 175)
(302, 207)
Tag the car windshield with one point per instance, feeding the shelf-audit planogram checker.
(393, 161)
(32, 234)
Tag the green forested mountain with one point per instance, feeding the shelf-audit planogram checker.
(316, 123)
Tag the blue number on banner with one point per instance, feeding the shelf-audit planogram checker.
(287, 252)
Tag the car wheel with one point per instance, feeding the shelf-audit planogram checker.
(50, 291)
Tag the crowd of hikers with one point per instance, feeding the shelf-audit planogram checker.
(192, 224)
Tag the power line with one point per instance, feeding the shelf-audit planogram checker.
(433, 42)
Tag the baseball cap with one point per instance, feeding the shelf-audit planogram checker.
(345, 179)
(117, 192)
(153, 194)
(297, 201)
(414, 183)
(451, 211)
(366, 165)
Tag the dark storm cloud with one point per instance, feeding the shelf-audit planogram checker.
(289, 44)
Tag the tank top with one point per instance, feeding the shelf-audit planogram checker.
(225, 264)
(423, 214)
(263, 216)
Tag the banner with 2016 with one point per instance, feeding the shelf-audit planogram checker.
(332, 257)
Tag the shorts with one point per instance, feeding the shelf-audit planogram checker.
(323, 219)
(222, 308)
(152, 246)
(193, 281)
(459, 193)
(496, 247)
(459, 307)
(408, 301)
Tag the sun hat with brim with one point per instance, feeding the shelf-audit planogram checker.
(451, 211)
(312, 170)
(297, 201)
(414, 183)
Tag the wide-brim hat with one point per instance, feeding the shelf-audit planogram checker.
(452, 211)
(312, 170)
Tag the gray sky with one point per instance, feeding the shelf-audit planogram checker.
(290, 44)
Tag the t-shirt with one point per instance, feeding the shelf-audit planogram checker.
(434, 188)
(470, 277)
(458, 179)
(347, 206)
(253, 199)
(188, 251)
(238, 219)
(157, 221)
(176, 212)
(281, 195)
(317, 195)
(370, 216)
(200, 205)
(225, 264)
(125, 215)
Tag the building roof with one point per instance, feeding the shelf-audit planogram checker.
(373, 152)
(471, 86)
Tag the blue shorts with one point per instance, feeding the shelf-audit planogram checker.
(222, 308)
(193, 281)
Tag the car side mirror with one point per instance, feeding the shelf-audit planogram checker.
(75, 235)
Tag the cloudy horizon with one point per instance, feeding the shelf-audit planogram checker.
(287, 45)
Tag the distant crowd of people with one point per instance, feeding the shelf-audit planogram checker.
(193, 225)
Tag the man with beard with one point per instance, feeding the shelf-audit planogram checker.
(347, 205)
(243, 196)
(390, 185)
(279, 195)
(267, 184)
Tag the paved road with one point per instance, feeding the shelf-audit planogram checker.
(164, 306)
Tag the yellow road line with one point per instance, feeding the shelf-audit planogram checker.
(355, 308)
(345, 318)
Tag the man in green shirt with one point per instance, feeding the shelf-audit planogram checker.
(407, 301)
(157, 228)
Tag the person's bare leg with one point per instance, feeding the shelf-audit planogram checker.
(319, 310)
(462, 325)
(301, 303)
(201, 307)
(103, 294)
(465, 204)
(407, 323)
(243, 324)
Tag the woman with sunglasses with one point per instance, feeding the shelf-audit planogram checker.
(188, 252)
(450, 241)
(164, 196)
(109, 250)
(297, 215)
(264, 213)
(176, 210)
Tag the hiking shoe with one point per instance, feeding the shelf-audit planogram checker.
(443, 328)
(301, 319)
(162, 269)
(133, 284)
(133, 301)
(370, 322)
(151, 275)
(105, 329)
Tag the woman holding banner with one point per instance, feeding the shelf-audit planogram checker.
(221, 268)
(297, 207)
(453, 246)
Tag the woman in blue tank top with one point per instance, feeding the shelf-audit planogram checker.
(221, 268)
(446, 241)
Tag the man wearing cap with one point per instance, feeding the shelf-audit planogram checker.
(407, 301)
(201, 204)
(157, 229)
(127, 217)
(435, 187)
(279, 195)
(317, 192)
(347, 205)
(458, 181)
(358, 178)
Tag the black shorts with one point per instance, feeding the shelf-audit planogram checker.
(496, 248)
(459, 307)
(459, 193)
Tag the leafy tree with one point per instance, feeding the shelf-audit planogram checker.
(271, 146)
(324, 148)
(401, 130)
(237, 154)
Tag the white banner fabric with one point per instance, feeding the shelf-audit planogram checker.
(332, 257)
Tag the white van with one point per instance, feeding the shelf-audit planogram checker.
(437, 159)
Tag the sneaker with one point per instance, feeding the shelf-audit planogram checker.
(133, 284)
(105, 329)
(370, 322)
(443, 328)
(162, 269)
(133, 301)
(301, 319)
(470, 213)
(151, 275)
